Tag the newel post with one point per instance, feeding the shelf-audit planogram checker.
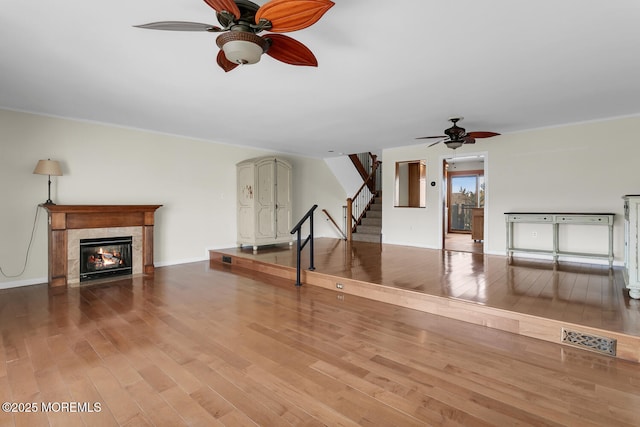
(349, 218)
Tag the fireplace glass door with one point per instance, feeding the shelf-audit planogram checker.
(104, 257)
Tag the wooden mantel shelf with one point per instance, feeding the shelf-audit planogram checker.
(101, 208)
(73, 217)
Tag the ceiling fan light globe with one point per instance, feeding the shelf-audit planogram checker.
(242, 52)
(242, 47)
(454, 144)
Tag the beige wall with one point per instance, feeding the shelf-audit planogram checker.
(194, 180)
(578, 168)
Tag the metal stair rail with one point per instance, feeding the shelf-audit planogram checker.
(300, 246)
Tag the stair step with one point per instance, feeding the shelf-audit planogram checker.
(368, 220)
(373, 214)
(364, 237)
(369, 229)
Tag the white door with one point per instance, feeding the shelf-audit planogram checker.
(283, 200)
(265, 200)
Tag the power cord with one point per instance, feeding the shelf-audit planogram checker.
(26, 258)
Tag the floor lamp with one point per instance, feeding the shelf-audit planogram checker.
(48, 167)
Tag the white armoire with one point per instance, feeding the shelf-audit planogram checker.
(631, 230)
(264, 201)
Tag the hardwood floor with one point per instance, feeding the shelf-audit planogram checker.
(585, 294)
(462, 242)
(197, 344)
(580, 303)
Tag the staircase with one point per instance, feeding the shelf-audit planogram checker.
(364, 210)
(370, 227)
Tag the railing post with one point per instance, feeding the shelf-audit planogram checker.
(311, 266)
(299, 250)
(349, 218)
(374, 158)
(298, 229)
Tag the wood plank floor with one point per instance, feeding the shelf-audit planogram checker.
(201, 346)
(533, 298)
(462, 242)
(586, 294)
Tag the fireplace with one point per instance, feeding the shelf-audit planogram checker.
(68, 224)
(105, 257)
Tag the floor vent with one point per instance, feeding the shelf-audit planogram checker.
(226, 259)
(590, 342)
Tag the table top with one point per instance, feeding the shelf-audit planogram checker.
(558, 213)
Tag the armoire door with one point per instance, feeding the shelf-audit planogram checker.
(265, 206)
(245, 198)
(283, 199)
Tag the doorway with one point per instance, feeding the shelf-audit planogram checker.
(464, 195)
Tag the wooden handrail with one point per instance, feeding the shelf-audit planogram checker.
(359, 166)
(367, 177)
(334, 223)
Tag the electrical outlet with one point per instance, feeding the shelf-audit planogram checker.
(339, 286)
(534, 234)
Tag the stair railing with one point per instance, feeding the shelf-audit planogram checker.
(364, 164)
(330, 218)
(360, 202)
(300, 245)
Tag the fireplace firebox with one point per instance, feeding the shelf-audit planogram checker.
(105, 257)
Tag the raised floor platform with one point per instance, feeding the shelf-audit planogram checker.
(576, 304)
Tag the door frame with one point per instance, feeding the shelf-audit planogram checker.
(466, 173)
(442, 222)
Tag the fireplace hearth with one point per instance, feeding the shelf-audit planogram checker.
(105, 257)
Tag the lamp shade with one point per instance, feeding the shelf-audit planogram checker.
(242, 52)
(454, 144)
(48, 167)
(242, 47)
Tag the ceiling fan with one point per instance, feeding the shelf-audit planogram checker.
(455, 136)
(242, 20)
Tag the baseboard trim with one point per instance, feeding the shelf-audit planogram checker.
(20, 283)
(181, 261)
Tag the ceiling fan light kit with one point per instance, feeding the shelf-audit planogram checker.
(242, 20)
(241, 47)
(453, 144)
(455, 136)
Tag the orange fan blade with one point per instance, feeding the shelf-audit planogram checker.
(290, 51)
(228, 5)
(292, 15)
(224, 63)
(482, 134)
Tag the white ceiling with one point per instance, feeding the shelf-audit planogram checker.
(389, 71)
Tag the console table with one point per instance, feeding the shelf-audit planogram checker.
(631, 270)
(557, 220)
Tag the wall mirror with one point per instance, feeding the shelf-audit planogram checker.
(411, 184)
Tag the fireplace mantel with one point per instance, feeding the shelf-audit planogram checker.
(74, 217)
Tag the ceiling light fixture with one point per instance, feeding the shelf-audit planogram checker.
(454, 144)
(242, 20)
(241, 47)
